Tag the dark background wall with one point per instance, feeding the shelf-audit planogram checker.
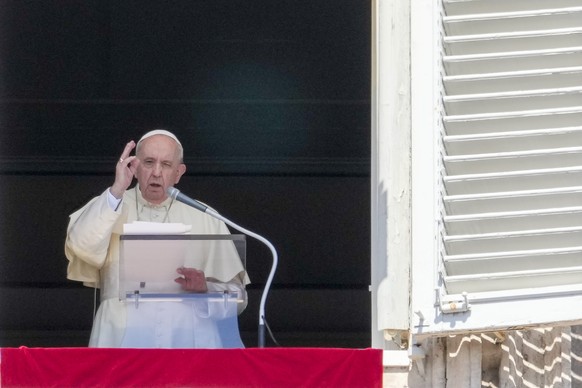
(271, 102)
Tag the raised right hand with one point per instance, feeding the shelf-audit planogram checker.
(124, 171)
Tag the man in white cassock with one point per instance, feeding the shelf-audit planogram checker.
(93, 242)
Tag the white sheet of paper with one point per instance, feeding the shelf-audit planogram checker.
(143, 227)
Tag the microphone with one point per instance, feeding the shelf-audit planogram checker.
(178, 196)
(174, 193)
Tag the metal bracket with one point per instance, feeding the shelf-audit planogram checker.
(136, 297)
(452, 303)
(418, 356)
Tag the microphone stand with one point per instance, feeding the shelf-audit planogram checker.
(175, 193)
(271, 273)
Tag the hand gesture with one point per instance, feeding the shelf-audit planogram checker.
(124, 171)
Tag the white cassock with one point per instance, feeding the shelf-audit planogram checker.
(92, 248)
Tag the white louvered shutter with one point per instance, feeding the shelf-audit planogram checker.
(509, 236)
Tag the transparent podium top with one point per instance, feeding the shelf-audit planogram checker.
(148, 263)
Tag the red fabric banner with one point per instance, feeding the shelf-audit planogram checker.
(251, 367)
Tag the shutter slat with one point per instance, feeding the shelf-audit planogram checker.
(514, 101)
(461, 7)
(512, 121)
(506, 42)
(513, 61)
(526, 200)
(512, 181)
(513, 220)
(503, 22)
(513, 161)
(512, 141)
(512, 261)
(513, 241)
(510, 81)
(513, 280)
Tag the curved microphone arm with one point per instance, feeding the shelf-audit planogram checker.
(271, 274)
(175, 193)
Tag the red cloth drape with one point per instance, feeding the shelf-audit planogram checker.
(251, 367)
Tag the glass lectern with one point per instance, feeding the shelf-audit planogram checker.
(159, 312)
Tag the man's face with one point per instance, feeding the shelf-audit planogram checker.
(159, 167)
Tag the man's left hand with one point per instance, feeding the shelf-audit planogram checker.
(192, 280)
